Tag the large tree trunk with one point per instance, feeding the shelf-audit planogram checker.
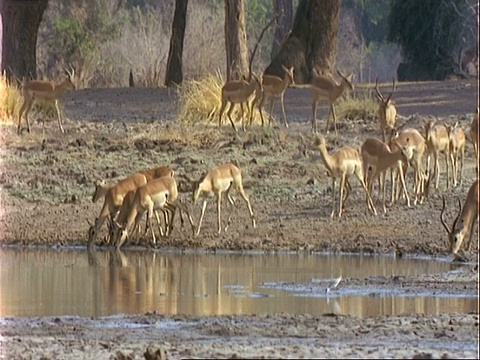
(311, 45)
(174, 74)
(18, 37)
(284, 12)
(236, 39)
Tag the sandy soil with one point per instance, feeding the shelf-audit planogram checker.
(46, 186)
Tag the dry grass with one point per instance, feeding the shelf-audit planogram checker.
(10, 101)
(200, 102)
(363, 106)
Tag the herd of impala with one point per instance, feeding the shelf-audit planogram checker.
(153, 190)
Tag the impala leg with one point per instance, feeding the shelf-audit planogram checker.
(183, 208)
(342, 186)
(462, 154)
(283, 110)
(447, 166)
(333, 198)
(59, 117)
(219, 221)
(159, 224)
(314, 116)
(242, 115)
(436, 172)
(229, 115)
(260, 105)
(334, 119)
(29, 107)
(249, 206)
(150, 223)
(404, 187)
(222, 109)
(370, 204)
(204, 206)
(271, 109)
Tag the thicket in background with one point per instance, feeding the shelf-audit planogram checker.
(104, 39)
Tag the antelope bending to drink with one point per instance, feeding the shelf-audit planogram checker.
(341, 164)
(114, 195)
(157, 194)
(44, 91)
(325, 87)
(463, 224)
(217, 181)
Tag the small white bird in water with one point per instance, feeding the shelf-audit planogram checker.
(333, 284)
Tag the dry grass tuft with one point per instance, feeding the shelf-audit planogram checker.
(364, 106)
(10, 101)
(200, 102)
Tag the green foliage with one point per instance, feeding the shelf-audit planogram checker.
(427, 31)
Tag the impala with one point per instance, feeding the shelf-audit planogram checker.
(217, 181)
(158, 194)
(101, 186)
(412, 138)
(44, 91)
(463, 224)
(437, 142)
(325, 87)
(238, 92)
(273, 88)
(114, 196)
(378, 158)
(387, 113)
(341, 164)
(457, 150)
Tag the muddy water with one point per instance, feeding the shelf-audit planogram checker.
(41, 282)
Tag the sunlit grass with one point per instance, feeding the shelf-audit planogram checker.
(10, 101)
(200, 102)
(362, 106)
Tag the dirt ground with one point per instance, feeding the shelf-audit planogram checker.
(47, 181)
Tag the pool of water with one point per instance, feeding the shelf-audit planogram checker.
(46, 282)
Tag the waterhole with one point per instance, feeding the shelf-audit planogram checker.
(46, 282)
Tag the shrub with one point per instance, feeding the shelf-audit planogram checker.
(10, 100)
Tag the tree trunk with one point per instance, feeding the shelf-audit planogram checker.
(236, 39)
(284, 10)
(19, 21)
(311, 45)
(174, 74)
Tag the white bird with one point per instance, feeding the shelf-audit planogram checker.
(333, 284)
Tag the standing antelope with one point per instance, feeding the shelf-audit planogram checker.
(238, 92)
(387, 113)
(457, 150)
(412, 138)
(325, 87)
(274, 87)
(378, 156)
(344, 162)
(463, 224)
(157, 194)
(438, 142)
(44, 91)
(217, 181)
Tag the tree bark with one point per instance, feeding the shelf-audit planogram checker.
(236, 39)
(284, 12)
(174, 73)
(311, 45)
(20, 20)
